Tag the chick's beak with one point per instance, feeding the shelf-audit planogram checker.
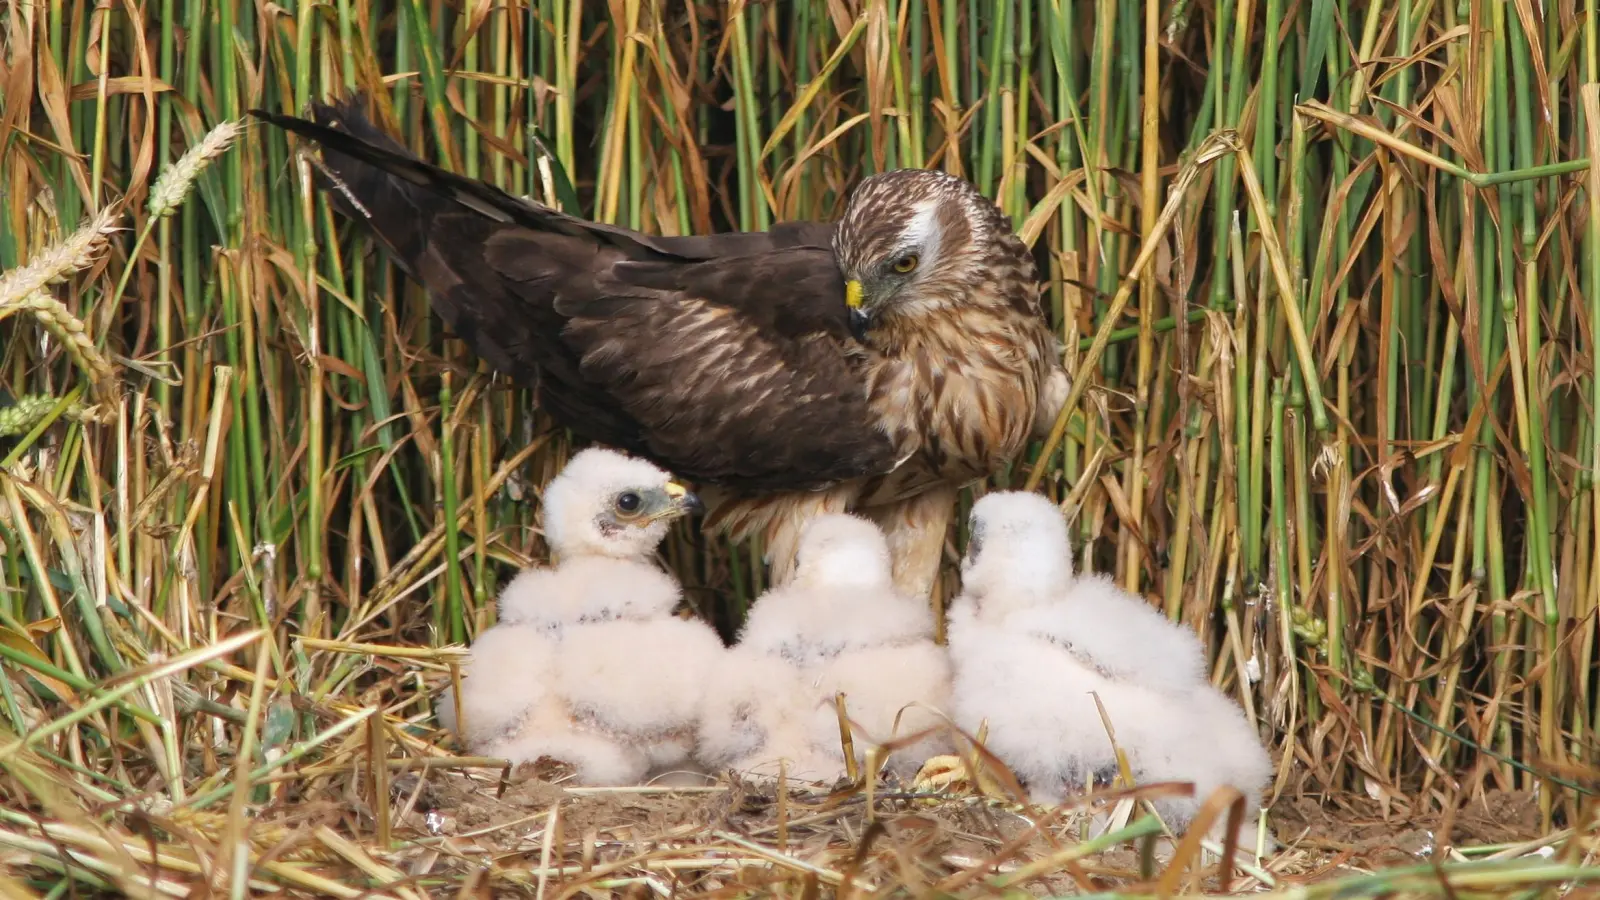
(683, 501)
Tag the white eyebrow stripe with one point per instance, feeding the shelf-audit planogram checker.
(923, 232)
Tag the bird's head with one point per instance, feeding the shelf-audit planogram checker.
(606, 504)
(917, 240)
(838, 550)
(1018, 553)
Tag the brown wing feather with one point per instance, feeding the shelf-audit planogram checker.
(725, 358)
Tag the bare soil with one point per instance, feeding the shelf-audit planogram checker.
(486, 818)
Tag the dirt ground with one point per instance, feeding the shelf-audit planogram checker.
(1358, 826)
(487, 819)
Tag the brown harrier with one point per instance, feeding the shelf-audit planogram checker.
(877, 364)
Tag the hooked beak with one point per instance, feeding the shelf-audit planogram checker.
(859, 323)
(683, 500)
(860, 320)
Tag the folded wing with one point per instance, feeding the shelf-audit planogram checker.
(724, 358)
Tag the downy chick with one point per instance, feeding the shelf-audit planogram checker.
(588, 664)
(837, 626)
(1030, 663)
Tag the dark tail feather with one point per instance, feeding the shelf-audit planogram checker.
(351, 144)
(366, 164)
(367, 161)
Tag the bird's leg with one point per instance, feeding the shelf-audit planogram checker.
(1052, 395)
(916, 529)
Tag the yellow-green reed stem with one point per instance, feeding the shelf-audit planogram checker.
(1538, 553)
(774, 80)
(66, 61)
(1254, 472)
(1413, 297)
(974, 53)
(1266, 124)
(1590, 120)
(1228, 108)
(988, 147)
(917, 153)
(1304, 536)
(432, 81)
(470, 156)
(226, 85)
(449, 623)
(482, 467)
(192, 285)
(1487, 561)
(899, 148)
(500, 94)
(681, 130)
(1069, 145)
(754, 214)
(168, 71)
(950, 77)
(801, 59)
(621, 100)
(1281, 576)
(315, 521)
(347, 44)
(246, 469)
(1017, 75)
(306, 259)
(1441, 361)
(98, 147)
(1149, 163)
(567, 17)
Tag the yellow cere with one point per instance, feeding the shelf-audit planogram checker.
(675, 490)
(852, 294)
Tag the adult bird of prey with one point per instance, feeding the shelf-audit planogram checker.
(876, 364)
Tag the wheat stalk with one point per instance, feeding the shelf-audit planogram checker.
(74, 335)
(26, 412)
(59, 261)
(177, 180)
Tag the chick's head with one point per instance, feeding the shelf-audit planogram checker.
(1018, 553)
(841, 550)
(607, 504)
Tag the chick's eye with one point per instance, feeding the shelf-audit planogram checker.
(906, 264)
(628, 502)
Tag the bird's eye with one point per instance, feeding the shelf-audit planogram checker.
(628, 503)
(907, 264)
